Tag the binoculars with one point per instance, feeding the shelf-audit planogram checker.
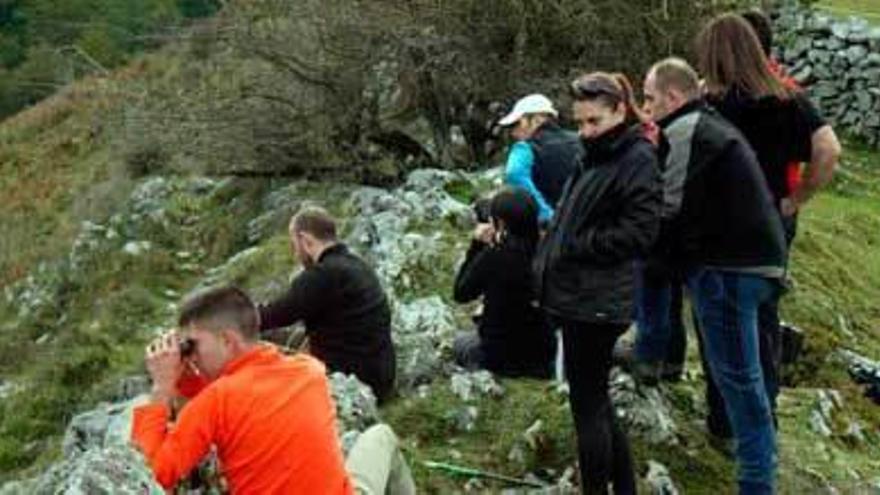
(187, 347)
(481, 210)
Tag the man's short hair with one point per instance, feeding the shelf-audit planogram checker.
(221, 308)
(763, 28)
(316, 221)
(676, 73)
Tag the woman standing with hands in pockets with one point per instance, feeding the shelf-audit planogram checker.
(607, 217)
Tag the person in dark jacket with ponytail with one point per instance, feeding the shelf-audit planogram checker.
(608, 216)
(512, 338)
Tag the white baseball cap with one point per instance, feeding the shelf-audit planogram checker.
(536, 103)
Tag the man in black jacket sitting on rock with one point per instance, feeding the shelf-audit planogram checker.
(340, 300)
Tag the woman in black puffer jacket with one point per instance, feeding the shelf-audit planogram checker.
(608, 216)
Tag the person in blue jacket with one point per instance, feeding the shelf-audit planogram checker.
(543, 156)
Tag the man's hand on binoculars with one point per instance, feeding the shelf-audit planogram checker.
(165, 366)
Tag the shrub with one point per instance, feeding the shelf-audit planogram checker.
(429, 70)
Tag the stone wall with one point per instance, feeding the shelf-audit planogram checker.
(838, 61)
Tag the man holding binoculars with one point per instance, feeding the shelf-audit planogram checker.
(270, 417)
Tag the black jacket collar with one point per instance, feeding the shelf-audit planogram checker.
(689, 107)
(608, 145)
(338, 248)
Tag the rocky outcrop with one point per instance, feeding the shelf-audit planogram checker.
(644, 410)
(423, 330)
(838, 61)
(99, 459)
(658, 480)
(113, 470)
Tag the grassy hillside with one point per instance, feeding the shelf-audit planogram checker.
(836, 283)
(869, 9)
(64, 162)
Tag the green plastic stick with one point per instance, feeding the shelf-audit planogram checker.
(476, 473)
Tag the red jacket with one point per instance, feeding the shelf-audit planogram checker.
(793, 169)
(271, 419)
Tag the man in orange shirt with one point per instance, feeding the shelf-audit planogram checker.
(270, 417)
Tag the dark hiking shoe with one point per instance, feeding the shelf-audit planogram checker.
(646, 372)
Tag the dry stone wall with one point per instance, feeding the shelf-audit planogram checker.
(838, 61)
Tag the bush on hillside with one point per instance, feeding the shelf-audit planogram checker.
(338, 86)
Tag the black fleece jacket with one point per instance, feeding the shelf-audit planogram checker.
(346, 314)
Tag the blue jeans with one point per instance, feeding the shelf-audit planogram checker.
(661, 335)
(727, 305)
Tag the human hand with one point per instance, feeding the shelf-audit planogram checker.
(164, 365)
(485, 233)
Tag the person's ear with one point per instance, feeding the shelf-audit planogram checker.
(231, 339)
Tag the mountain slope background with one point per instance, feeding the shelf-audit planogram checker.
(91, 270)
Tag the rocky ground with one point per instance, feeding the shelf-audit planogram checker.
(414, 235)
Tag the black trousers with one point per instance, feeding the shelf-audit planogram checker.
(603, 448)
(676, 350)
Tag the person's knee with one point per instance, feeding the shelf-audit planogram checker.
(381, 433)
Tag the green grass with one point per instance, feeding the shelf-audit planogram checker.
(430, 434)
(836, 270)
(867, 9)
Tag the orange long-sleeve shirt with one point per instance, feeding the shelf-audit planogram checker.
(271, 419)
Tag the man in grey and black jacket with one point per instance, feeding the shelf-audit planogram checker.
(721, 229)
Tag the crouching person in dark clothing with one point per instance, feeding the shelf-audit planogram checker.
(513, 338)
(608, 216)
(339, 298)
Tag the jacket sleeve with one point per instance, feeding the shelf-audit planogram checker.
(474, 274)
(307, 294)
(519, 173)
(631, 232)
(173, 453)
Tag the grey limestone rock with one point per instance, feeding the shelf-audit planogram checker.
(855, 53)
(137, 248)
(421, 330)
(430, 179)
(356, 408)
(150, 196)
(658, 480)
(841, 29)
(470, 385)
(278, 207)
(108, 424)
(804, 75)
(117, 469)
(644, 410)
(822, 414)
(98, 458)
(464, 417)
